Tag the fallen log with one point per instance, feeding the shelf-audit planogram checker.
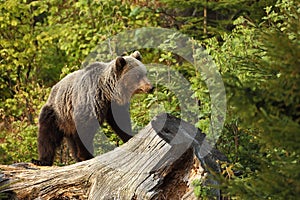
(160, 162)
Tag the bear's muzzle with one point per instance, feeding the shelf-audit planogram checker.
(146, 88)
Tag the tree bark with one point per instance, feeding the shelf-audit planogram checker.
(160, 162)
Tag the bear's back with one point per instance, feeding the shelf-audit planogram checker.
(64, 87)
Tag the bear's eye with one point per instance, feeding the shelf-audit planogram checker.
(138, 76)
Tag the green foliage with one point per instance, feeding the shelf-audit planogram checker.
(105, 142)
(200, 190)
(208, 18)
(255, 45)
(20, 144)
(260, 68)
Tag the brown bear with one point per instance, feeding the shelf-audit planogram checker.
(81, 101)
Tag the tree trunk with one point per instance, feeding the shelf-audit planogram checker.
(160, 162)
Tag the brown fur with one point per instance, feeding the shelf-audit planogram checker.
(80, 102)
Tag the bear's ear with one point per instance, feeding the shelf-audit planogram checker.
(137, 55)
(120, 63)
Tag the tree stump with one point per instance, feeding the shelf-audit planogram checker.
(160, 162)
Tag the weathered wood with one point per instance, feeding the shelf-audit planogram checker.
(157, 163)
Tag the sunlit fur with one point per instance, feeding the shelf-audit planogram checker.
(86, 96)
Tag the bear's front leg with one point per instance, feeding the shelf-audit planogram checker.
(118, 117)
(80, 150)
(86, 126)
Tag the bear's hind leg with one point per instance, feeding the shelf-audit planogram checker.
(49, 138)
(72, 145)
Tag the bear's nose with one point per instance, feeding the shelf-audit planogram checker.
(151, 89)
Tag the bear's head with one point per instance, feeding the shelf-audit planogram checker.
(132, 77)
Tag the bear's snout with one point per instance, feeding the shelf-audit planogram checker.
(148, 88)
(144, 87)
(151, 89)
